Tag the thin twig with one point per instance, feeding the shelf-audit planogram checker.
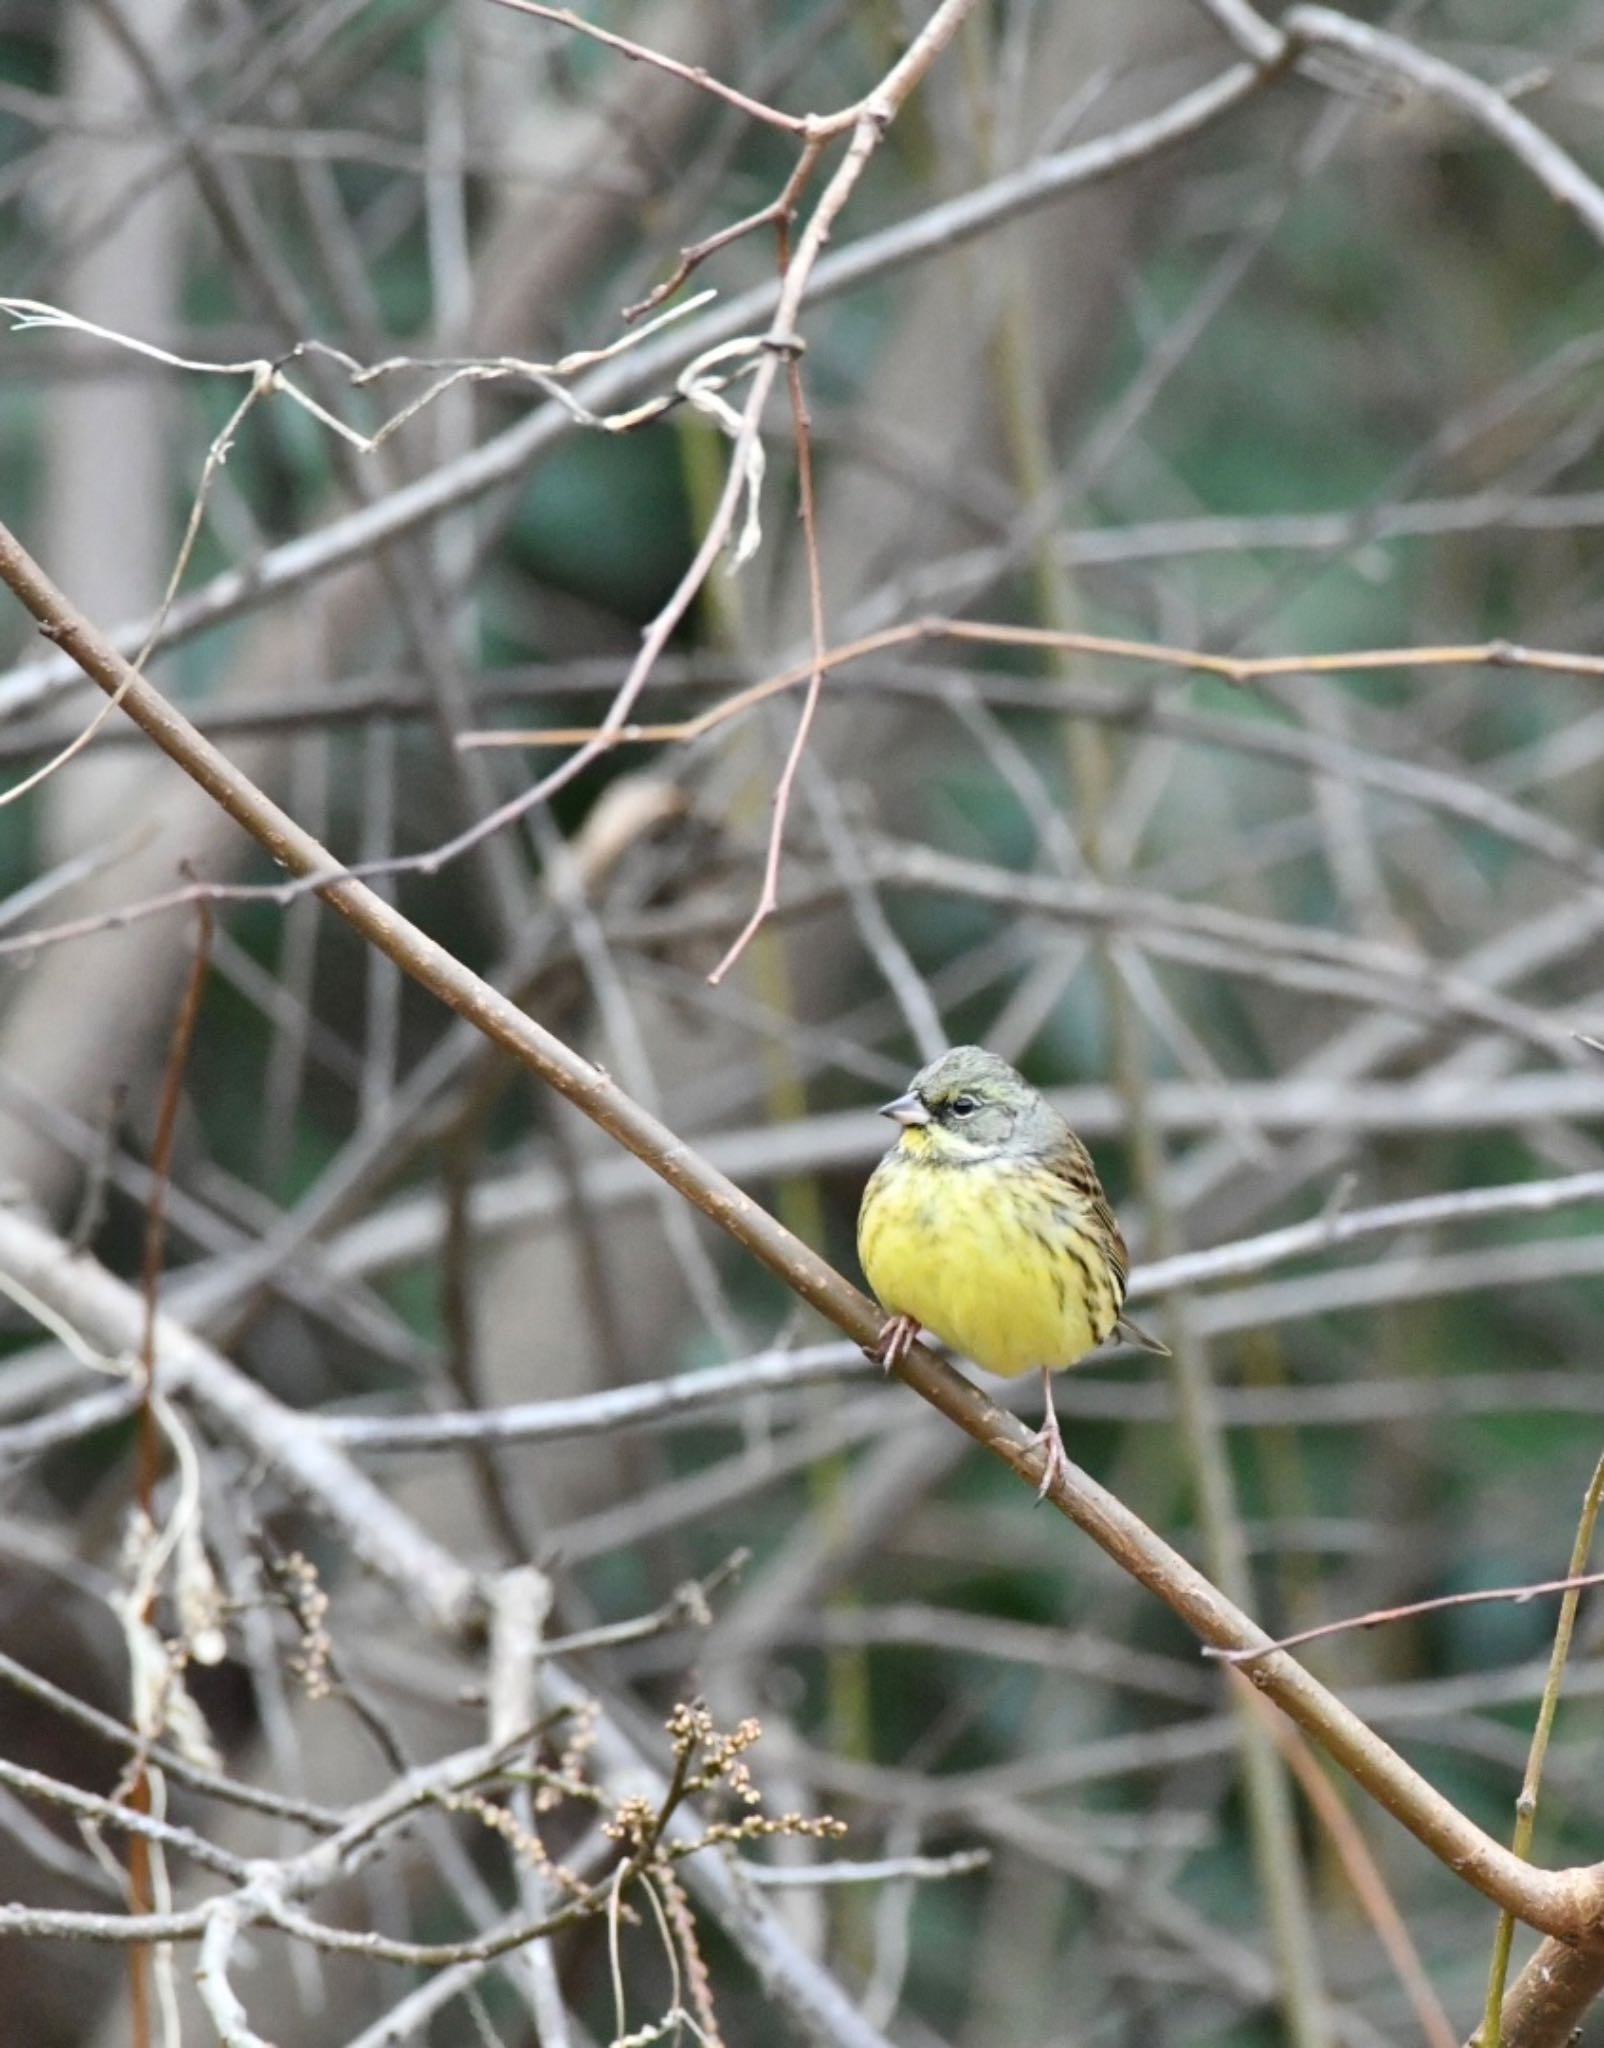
(1241, 669)
(868, 120)
(1409, 1611)
(692, 74)
(802, 425)
(1364, 1874)
(1548, 1707)
(508, 454)
(141, 1873)
(1394, 56)
(778, 213)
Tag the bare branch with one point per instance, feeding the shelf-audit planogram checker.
(1562, 1902)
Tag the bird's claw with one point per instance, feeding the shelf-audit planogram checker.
(895, 1341)
(1055, 1464)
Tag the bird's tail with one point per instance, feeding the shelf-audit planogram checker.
(1129, 1332)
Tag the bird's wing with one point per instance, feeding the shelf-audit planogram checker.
(1072, 1163)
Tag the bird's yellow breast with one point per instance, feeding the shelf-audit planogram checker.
(996, 1259)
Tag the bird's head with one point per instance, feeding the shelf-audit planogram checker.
(970, 1106)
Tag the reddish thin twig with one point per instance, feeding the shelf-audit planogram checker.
(868, 120)
(593, 741)
(1407, 1612)
(1232, 668)
(1363, 1871)
(779, 213)
(692, 74)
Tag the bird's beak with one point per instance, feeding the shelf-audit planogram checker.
(906, 1110)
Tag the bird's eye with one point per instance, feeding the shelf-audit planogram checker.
(964, 1105)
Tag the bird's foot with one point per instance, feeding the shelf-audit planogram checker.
(895, 1341)
(1049, 1440)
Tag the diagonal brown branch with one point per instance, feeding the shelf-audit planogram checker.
(1567, 1903)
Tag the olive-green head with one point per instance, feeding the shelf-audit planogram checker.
(971, 1105)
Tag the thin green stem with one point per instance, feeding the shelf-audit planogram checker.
(1272, 1819)
(1492, 2025)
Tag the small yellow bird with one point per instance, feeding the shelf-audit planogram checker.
(986, 1224)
